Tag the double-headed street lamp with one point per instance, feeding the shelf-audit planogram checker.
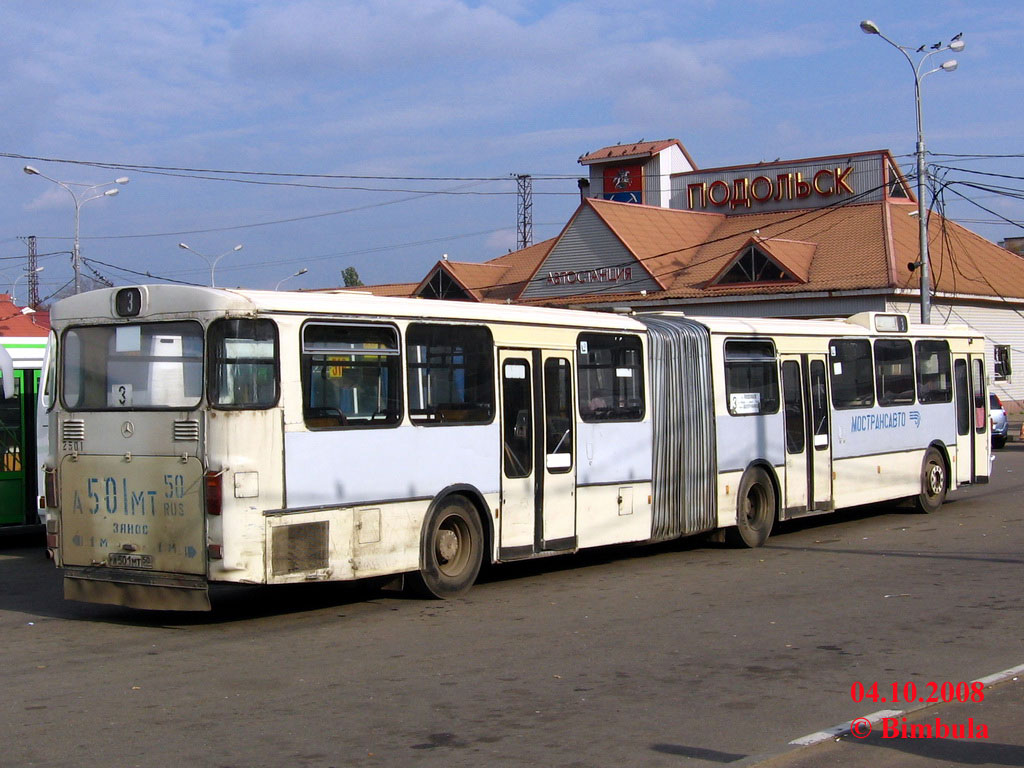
(211, 260)
(956, 45)
(81, 197)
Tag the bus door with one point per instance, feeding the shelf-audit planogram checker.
(17, 452)
(808, 436)
(971, 417)
(538, 484)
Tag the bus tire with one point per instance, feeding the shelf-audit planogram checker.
(934, 482)
(451, 551)
(755, 508)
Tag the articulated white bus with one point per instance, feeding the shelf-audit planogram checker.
(202, 435)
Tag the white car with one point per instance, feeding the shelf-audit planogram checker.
(997, 416)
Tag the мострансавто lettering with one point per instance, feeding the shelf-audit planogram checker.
(875, 421)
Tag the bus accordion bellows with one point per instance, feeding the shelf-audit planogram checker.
(202, 435)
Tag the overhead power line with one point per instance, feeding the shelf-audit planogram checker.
(170, 169)
(138, 273)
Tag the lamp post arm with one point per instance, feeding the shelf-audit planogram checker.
(67, 188)
(213, 269)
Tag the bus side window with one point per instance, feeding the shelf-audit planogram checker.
(852, 373)
(751, 378)
(894, 372)
(934, 372)
(350, 375)
(450, 374)
(611, 377)
(243, 363)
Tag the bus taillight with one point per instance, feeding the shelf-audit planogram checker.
(50, 488)
(214, 485)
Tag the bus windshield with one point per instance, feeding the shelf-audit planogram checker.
(146, 365)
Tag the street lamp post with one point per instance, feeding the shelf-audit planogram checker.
(286, 279)
(211, 260)
(956, 45)
(35, 271)
(80, 199)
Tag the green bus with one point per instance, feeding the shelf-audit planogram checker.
(20, 364)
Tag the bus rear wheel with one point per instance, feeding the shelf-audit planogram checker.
(755, 508)
(451, 552)
(933, 482)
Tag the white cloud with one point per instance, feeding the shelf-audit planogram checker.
(451, 87)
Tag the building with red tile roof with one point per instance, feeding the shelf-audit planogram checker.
(816, 237)
(15, 322)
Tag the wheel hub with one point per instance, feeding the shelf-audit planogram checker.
(447, 545)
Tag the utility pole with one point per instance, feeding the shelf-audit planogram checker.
(956, 45)
(33, 273)
(524, 209)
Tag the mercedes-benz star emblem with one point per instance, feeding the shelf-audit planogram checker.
(127, 429)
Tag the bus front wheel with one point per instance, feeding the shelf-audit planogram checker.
(755, 508)
(452, 550)
(933, 482)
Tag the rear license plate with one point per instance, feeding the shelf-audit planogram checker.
(123, 560)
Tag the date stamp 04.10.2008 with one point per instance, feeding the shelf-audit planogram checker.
(910, 693)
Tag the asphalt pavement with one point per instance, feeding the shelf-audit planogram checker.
(985, 733)
(683, 655)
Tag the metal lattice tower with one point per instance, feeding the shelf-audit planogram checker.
(33, 274)
(524, 209)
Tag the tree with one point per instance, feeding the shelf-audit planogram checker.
(351, 277)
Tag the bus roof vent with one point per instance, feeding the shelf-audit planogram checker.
(882, 322)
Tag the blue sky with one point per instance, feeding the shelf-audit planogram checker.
(451, 98)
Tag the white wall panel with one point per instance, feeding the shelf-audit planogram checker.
(346, 467)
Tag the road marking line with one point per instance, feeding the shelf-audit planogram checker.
(838, 730)
(998, 677)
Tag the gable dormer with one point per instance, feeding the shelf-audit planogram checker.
(766, 261)
(442, 284)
